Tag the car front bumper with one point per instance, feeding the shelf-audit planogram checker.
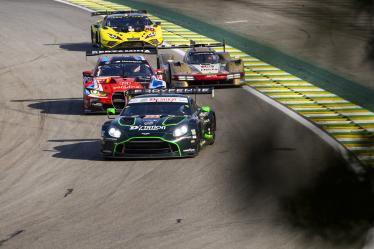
(149, 147)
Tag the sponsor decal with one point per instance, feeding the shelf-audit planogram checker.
(120, 51)
(211, 68)
(149, 122)
(193, 132)
(123, 85)
(189, 150)
(147, 128)
(199, 90)
(159, 99)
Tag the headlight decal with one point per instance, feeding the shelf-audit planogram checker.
(114, 36)
(97, 93)
(150, 35)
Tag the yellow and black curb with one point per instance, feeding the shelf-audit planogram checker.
(348, 123)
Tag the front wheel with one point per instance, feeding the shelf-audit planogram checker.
(210, 137)
(179, 83)
(92, 38)
(95, 39)
(236, 82)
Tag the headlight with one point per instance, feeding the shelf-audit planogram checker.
(114, 37)
(180, 131)
(150, 35)
(97, 93)
(114, 132)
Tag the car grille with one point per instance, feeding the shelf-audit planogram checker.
(149, 146)
(118, 100)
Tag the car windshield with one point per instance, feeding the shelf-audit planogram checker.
(125, 21)
(130, 69)
(203, 58)
(162, 109)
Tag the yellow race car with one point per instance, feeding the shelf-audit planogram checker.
(124, 29)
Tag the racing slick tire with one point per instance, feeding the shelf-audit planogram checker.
(212, 130)
(224, 57)
(235, 66)
(176, 68)
(236, 82)
(178, 83)
(98, 42)
(92, 39)
(211, 141)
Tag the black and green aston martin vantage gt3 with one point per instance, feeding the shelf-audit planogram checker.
(158, 126)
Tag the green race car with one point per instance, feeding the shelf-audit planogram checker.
(158, 125)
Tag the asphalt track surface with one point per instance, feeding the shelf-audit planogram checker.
(268, 182)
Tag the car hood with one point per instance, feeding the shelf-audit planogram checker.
(150, 123)
(117, 84)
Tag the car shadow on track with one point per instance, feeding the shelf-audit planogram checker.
(63, 106)
(88, 149)
(78, 149)
(75, 47)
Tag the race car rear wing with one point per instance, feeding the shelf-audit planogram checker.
(184, 90)
(193, 44)
(134, 50)
(106, 12)
(135, 92)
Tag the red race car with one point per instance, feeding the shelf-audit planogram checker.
(117, 73)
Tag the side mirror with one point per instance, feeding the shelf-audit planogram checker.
(159, 71)
(110, 111)
(205, 109)
(87, 73)
(157, 23)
